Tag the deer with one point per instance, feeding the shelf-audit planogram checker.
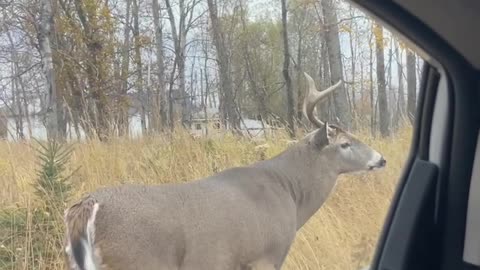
(241, 218)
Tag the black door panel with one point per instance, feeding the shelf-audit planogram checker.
(415, 213)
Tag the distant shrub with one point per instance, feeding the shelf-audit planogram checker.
(32, 235)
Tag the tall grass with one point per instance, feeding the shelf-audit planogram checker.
(342, 235)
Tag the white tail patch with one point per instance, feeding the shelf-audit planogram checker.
(89, 246)
(90, 252)
(91, 225)
(89, 261)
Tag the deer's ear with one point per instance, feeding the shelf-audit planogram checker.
(322, 137)
(332, 131)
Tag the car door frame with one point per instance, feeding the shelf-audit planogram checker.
(438, 206)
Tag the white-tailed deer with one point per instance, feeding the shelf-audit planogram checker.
(240, 218)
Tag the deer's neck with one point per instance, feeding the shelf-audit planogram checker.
(307, 183)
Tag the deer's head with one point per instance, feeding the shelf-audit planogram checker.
(344, 151)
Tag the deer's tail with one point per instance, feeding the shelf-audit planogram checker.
(80, 234)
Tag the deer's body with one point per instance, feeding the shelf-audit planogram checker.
(190, 230)
(241, 218)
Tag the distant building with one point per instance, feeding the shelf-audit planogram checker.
(211, 125)
(201, 124)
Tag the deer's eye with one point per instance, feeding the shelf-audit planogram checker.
(345, 145)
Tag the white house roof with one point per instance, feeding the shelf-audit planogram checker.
(251, 124)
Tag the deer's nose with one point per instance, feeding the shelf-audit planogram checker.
(382, 162)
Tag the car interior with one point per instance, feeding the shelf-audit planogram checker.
(434, 219)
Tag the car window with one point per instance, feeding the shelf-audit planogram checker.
(96, 94)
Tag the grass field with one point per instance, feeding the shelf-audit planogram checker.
(342, 234)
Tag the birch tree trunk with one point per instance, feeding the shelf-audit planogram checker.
(45, 26)
(138, 62)
(123, 125)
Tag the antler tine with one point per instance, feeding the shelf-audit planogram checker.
(313, 97)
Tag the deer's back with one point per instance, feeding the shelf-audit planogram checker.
(189, 224)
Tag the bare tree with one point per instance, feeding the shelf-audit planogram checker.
(381, 85)
(124, 71)
(372, 94)
(324, 65)
(286, 75)
(159, 116)
(411, 85)
(400, 111)
(229, 111)
(335, 60)
(96, 66)
(250, 54)
(299, 22)
(352, 33)
(45, 26)
(139, 66)
(179, 36)
(18, 89)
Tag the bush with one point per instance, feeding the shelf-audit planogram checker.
(32, 235)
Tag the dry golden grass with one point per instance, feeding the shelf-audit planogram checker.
(342, 235)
